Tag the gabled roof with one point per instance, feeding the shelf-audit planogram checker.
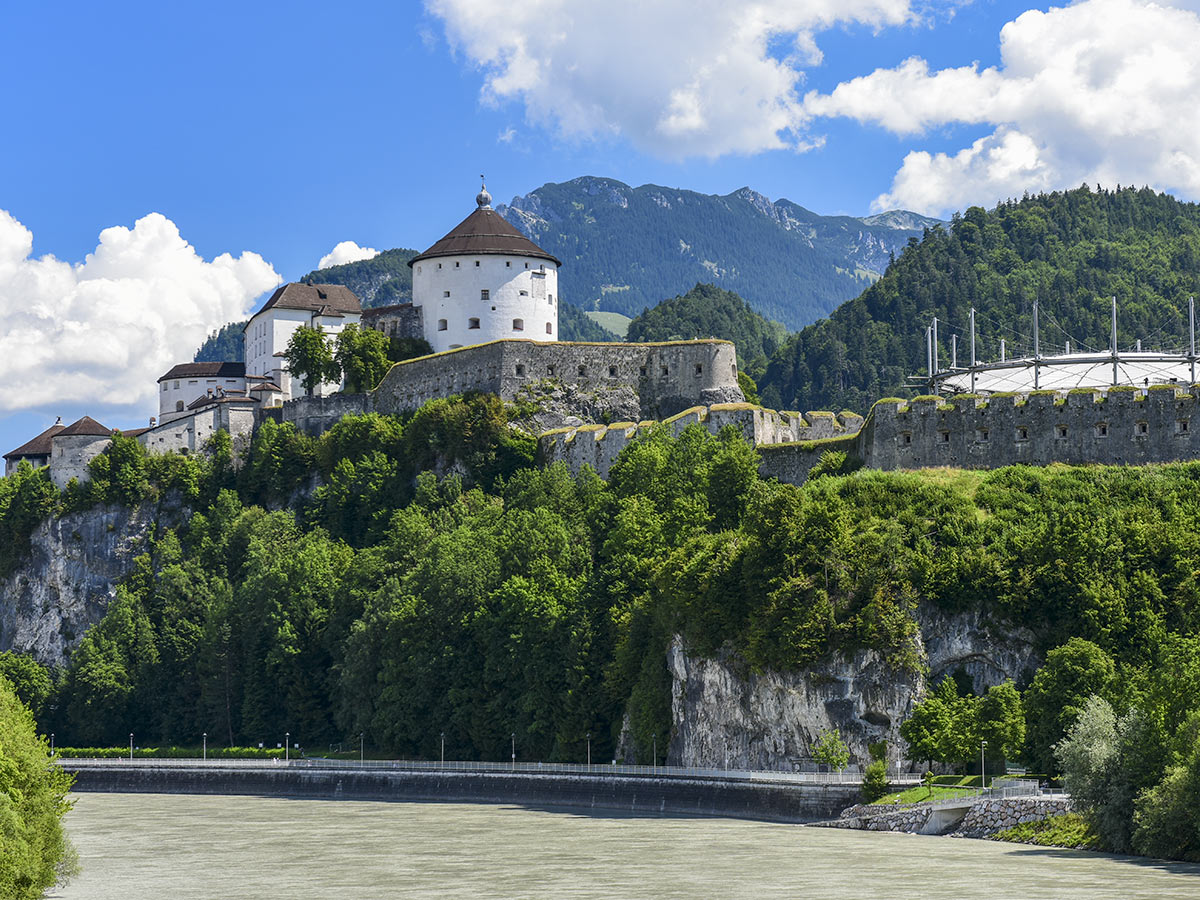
(323, 299)
(39, 446)
(485, 231)
(206, 370)
(134, 432)
(267, 386)
(87, 425)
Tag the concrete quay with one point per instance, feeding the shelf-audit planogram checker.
(779, 797)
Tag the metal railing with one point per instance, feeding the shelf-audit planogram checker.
(520, 768)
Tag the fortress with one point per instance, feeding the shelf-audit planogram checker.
(485, 298)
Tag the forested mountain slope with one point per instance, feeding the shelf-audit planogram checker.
(625, 249)
(708, 311)
(1070, 250)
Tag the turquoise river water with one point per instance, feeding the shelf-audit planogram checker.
(180, 847)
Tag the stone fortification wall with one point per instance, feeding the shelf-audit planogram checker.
(668, 377)
(599, 445)
(402, 320)
(316, 415)
(70, 455)
(1115, 427)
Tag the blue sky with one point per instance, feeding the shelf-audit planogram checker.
(273, 131)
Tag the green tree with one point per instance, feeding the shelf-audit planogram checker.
(362, 357)
(831, 750)
(1167, 818)
(310, 359)
(30, 679)
(34, 851)
(1000, 720)
(1072, 673)
(942, 727)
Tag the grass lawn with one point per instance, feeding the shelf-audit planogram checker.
(614, 322)
(945, 787)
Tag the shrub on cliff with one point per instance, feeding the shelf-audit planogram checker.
(34, 852)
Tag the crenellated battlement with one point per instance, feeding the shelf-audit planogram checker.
(599, 445)
(1117, 426)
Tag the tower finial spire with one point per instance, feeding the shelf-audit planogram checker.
(483, 199)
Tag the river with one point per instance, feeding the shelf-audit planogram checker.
(187, 847)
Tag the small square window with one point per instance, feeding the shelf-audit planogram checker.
(477, 264)
(549, 370)
(456, 265)
(485, 295)
(642, 371)
(1181, 426)
(518, 325)
(1102, 430)
(1022, 434)
(445, 293)
(524, 293)
(1062, 431)
(1143, 428)
(945, 437)
(472, 323)
(665, 371)
(612, 371)
(441, 325)
(582, 371)
(906, 438)
(439, 265)
(699, 369)
(527, 265)
(520, 369)
(982, 434)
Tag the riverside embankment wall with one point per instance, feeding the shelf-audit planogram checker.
(647, 795)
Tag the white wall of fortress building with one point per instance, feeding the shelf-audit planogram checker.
(268, 333)
(469, 300)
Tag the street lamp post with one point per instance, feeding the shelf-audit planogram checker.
(589, 739)
(654, 752)
(362, 749)
(982, 765)
(443, 749)
(131, 746)
(205, 745)
(52, 743)
(287, 746)
(514, 751)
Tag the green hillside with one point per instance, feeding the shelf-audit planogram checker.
(625, 249)
(224, 345)
(709, 311)
(383, 280)
(1070, 250)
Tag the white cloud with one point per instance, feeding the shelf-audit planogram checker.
(346, 252)
(100, 332)
(507, 135)
(1099, 91)
(675, 77)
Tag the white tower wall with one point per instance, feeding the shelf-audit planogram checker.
(521, 299)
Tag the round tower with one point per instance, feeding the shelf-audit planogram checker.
(485, 281)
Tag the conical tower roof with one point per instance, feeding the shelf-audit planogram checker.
(485, 231)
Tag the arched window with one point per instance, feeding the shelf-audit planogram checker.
(549, 328)
(518, 324)
(178, 406)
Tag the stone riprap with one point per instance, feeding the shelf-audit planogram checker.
(990, 816)
(983, 818)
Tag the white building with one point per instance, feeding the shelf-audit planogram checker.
(485, 281)
(328, 307)
(186, 383)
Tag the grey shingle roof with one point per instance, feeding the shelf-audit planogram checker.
(485, 231)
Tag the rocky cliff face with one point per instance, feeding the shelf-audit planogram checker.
(726, 716)
(66, 582)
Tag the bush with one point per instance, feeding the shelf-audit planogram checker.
(875, 781)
